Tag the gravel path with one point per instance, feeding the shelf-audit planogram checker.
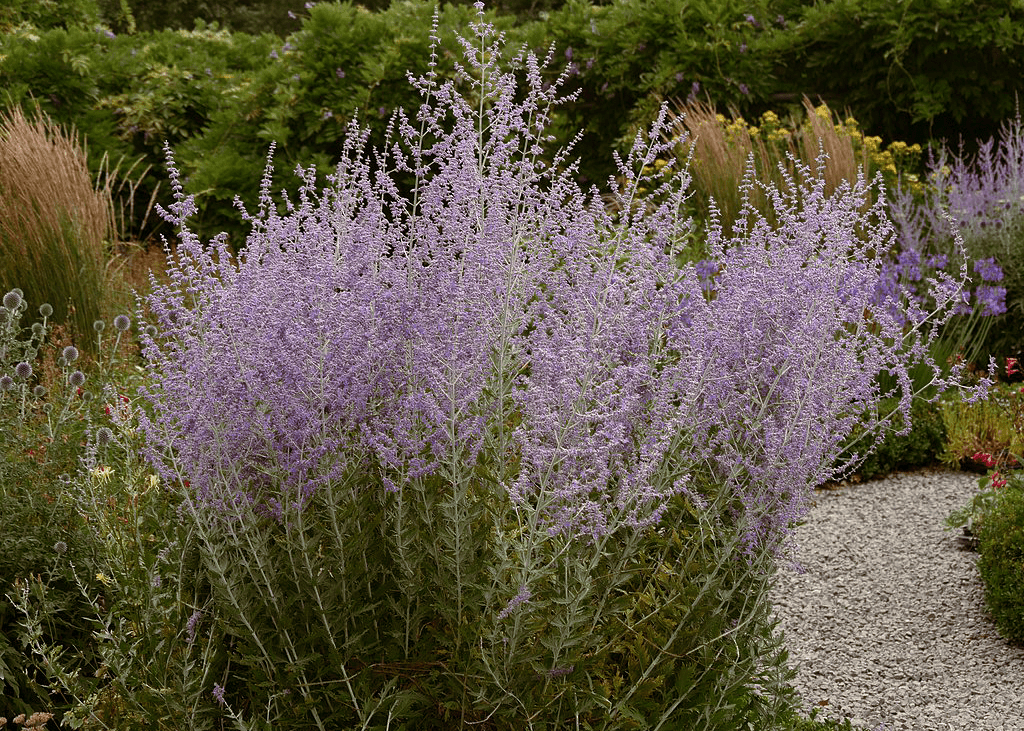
(887, 626)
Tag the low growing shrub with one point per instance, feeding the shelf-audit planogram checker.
(1001, 558)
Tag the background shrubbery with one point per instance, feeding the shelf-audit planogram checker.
(921, 72)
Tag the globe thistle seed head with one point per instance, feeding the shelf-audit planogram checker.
(12, 300)
(46, 310)
(60, 547)
(23, 370)
(39, 391)
(99, 325)
(62, 362)
(47, 408)
(70, 353)
(151, 331)
(122, 323)
(87, 396)
(104, 436)
(6, 383)
(77, 378)
(37, 329)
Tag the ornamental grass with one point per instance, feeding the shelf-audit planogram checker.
(54, 223)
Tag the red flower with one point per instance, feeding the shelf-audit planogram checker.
(1011, 366)
(985, 458)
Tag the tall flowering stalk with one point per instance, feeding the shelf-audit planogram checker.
(447, 426)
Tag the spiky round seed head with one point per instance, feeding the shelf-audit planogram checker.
(6, 383)
(45, 309)
(70, 353)
(39, 391)
(60, 547)
(11, 300)
(103, 436)
(77, 378)
(151, 331)
(87, 395)
(38, 329)
(99, 325)
(122, 323)
(62, 362)
(47, 408)
(23, 370)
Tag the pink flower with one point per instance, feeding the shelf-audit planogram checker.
(985, 458)
(1011, 366)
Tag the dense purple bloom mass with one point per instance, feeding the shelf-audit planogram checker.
(498, 310)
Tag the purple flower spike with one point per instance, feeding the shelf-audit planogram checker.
(508, 316)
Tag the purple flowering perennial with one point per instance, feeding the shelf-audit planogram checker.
(988, 270)
(371, 329)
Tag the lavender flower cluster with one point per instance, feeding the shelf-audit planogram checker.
(497, 310)
(974, 196)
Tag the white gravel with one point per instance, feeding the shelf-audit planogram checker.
(887, 626)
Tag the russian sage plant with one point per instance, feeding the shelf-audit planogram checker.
(464, 444)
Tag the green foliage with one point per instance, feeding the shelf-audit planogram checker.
(920, 447)
(345, 63)
(912, 71)
(240, 16)
(366, 606)
(45, 14)
(1000, 531)
(986, 427)
(34, 522)
(628, 56)
(96, 575)
(130, 95)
